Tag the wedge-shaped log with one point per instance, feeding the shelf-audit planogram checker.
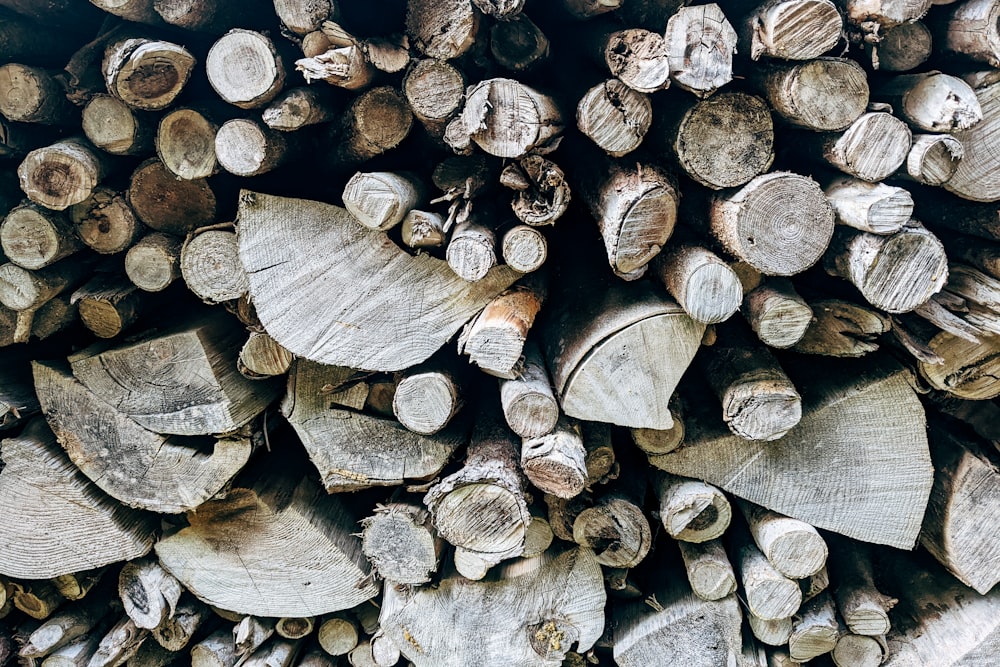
(138, 467)
(869, 480)
(617, 357)
(353, 450)
(281, 547)
(63, 523)
(182, 381)
(306, 261)
(535, 610)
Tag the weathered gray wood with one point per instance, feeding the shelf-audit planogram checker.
(297, 253)
(524, 248)
(428, 396)
(792, 29)
(529, 403)
(176, 632)
(859, 651)
(261, 357)
(216, 650)
(344, 66)
(903, 47)
(300, 107)
(62, 174)
(772, 633)
(353, 450)
(700, 47)
(247, 147)
(873, 147)
(63, 627)
(33, 95)
(615, 527)
(826, 94)
(691, 510)
(933, 159)
(815, 631)
(245, 69)
(210, 265)
(793, 547)
(114, 126)
(842, 329)
(864, 609)
(401, 543)
(494, 339)
(149, 593)
(870, 17)
(871, 207)
(636, 57)
(304, 16)
(769, 595)
(154, 261)
(776, 313)
(34, 237)
(977, 176)
(932, 102)
(120, 643)
(614, 116)
(972, 31)
(555, 463)
(704, 285)
(435, 91)
(337, 635)
(380, 200)
(524, 627)
(708, 569)
(442, 30)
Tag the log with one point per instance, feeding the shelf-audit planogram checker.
(108, 304)
(343, 66)
(635, 208)
(842, 329)
(494, 339)
(33, 95)
(794, 548)
(759, 401)
(211, 267)
(507, 119)
(137, 467)
(976, 175)
(792, 29)
(250, 634)
(967, 369)
(932, 102)
(427, 397)
(539, 536)
(247, 147)
(864, 609)
(316, 658)
(542, 192)
(724, 159)
(24, 290)
(376, 122)
(213, 16)
(525, 628)
(300, 107)
(608, 349)
(380, 200)
(708, 569)
(337, 636)
(871, 207)
(62, 174)
(425, 229)
(704, 285)
(826, 94)
(524, 248)
(614, 117)
(764, 223)
(933, 159)
(772, 633)
(216, 650)
(261, 357)
(401, 544)
(769, 595)
(700, 46)
(858, 651)
(815, 631)
(52, 317)
(615, 527)
(883, 14)
(149, 594)
(304, 16)
(75, 654)
(481, 507)
(34, 237)
(971, 30)
(777, 314)
(147, 74)
(276, 653)
(260, 569)
(168, 204)
(177, 631)
(636, 57)
(348, 448)
(199, 390)
(120, 643)
(896, 272)
(872, 148)
(529, 404)
(435, 91)
(518, 44)
(691, 510)
(850, 485)
(38, 599)
(903, 47)
(105, 222)
(443, 30)
(185, 142)
(555, 463)
(154, 261)
(137, 11)
(245, 69)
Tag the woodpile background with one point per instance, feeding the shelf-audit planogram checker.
(488, 332)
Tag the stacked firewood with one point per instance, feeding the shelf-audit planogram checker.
(499, 332)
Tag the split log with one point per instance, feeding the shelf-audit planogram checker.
(792, 29)
(245, 69)
(380, 200)
(507, 119)
(259, 568)
(427, 397)
(542, 192)
(614, 117)
(62, 174)
(154, 261)
(198, 389)
(63, 627)
(759, 401)
(261, 357)
(636, 209)
(177, 631)
(864, 609)
(304, 16)
(108, 304)
(24, 290)
(977, 176)
(34, 237)
(337, 636)
(769, 595)
(972, 31)
(903, 47)
(494, 339)
(842, 329)
(721, 159)
(481, 508)
(148, 593)
(691, 510)
(425, 229)
(704, 285)
(168, 204)
(815, 631)
(872, 148)
(147, 74)
(555, 463)
(216, 650)
(610, 348)
(708, 569)
(210, 266)
(780, 223)
(247, 147)
(859, 651)
(525, 628)
(871, 207)
(524, 248)
(300, 107)
(296, 253)
(353, 450)
(968, 369)
(442, 30)
(700, 47)
(776, 313)
(33, 95)
(119, 644)
(932, 102)
(401, 543)
(871, 478)
(517, 43)
(826, 94)
(896, 272)
(529, 404)
(435, 91)
(105, 222)
(676, 627)
(48, 489)
(137, 467)
(934, 158)
(793, 547)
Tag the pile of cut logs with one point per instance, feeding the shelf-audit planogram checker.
(452, 333)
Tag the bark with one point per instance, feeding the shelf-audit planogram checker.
(137, 11)
(211, 267)
(343, 66)
(38, 599)
(168, 204)
(154, 261)
(62, 174)
(27, 291)
(614, 117)
(700, 47)
(827, 94)
(872, 148)
(884, 13)
(245, 68)
(494, 340)
(691, 510)
(542, 193)
(119, 644)
(213, 16)
(216, 650)
(147, 74)
(34, 237)
(615, 526)
(106, 223)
